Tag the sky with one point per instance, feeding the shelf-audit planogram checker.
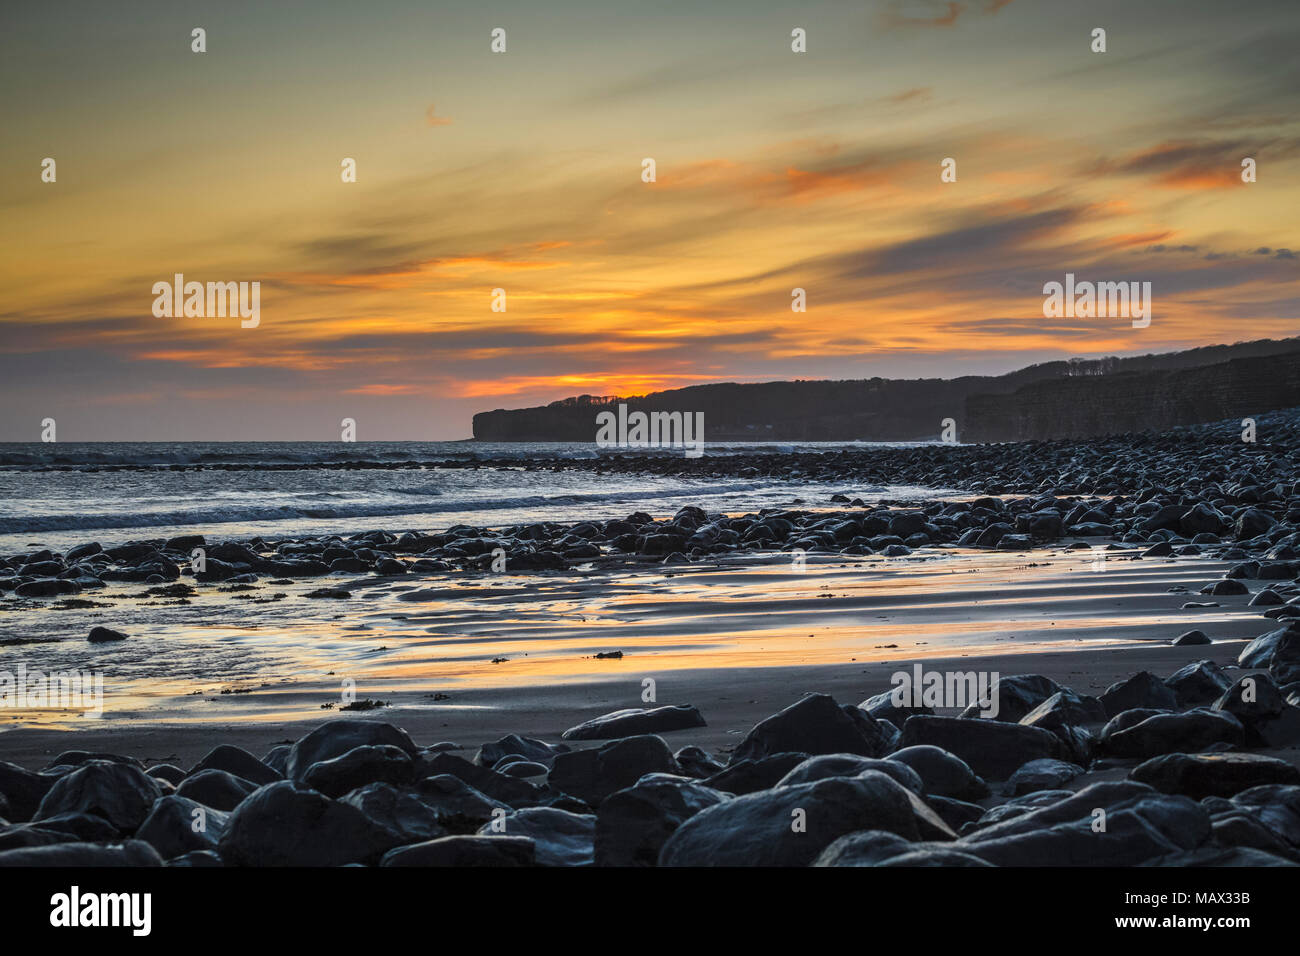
(523, 171)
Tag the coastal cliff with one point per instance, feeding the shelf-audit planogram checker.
(1075, 398)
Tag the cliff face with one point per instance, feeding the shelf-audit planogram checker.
(871, 409)
(1054, 399)
(1134, 401)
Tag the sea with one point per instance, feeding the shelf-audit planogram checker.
(58, 495)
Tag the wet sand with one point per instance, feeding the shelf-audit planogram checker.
(739, 638)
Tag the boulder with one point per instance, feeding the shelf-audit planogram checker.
(1196, 730)
(592, 775)
(358, 767)
(1200, 682)
(560, 838)
(459, 851)
(813, 725)
(216, 789)
(1277, 806)
(635, 721)
(337, 737)
(1139, 824)
(850, 765)
(1143, 689)
(1253, 698)
(1045, 774)
(458, 806)
(22, 790)
(176, 826)
(513, 745)
(993, 749)
(507, 790)
(239, 762)
(1213, 775)
(790, 826)
(750, 776)
(401, 812)
(942, 773)
(285, 824)
(633, 824)
(78, 855)
(120, 793)
(1015, 696)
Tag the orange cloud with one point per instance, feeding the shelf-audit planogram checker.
(609, 383)
(431, 120)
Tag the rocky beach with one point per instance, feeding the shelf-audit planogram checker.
(701, 688)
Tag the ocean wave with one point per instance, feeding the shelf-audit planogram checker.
(245, 513)
(38, 456)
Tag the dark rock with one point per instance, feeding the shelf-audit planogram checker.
(216, 789)
(120, 793)
(942, 773)
(1254, 697)
(1015, 697)
(513, 745)
(401, 812)
(813, 725)
(77, 758)
(284, 824)
(22, 790)
(1213, 775)
(1260, 651)
(758, 829)
(884, 707)
(1196, 730)
(1139, 824)
(337, 737)
(823, 766)
(239, 762)
(518, 767)
(1228, 586)
(1219, 856)
(1281, 731)
(560, 838)
(1277, 806)
(1043, 774)
(750, 776)
(955, 813)
(696, 763)
(461, 851)
(46, 587)
(176, 826)
(78, 855)
(1189, 638)
(165, 771)
(1198, 683)
(993, 749)
(459, 807)
(633, 824)
(1142, 690)
(592, 775)
(101, 635)
(510, 791)
(195, 858)
(864, 848)
(358, 767)
(635, 721)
